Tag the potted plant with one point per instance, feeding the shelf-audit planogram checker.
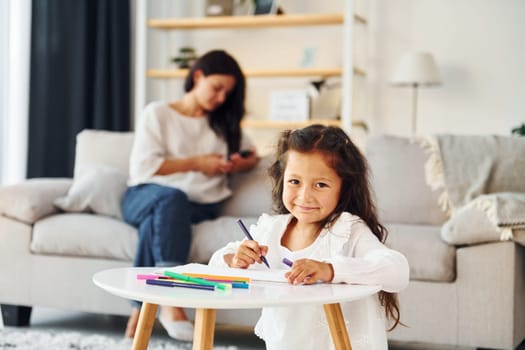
(185, 58)
(519, 130)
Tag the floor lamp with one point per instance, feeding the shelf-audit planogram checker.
(416, 69)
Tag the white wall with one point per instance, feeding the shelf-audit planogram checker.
(478, 47)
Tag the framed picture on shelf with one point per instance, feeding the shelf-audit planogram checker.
(289, 105)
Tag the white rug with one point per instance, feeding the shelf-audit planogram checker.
(27, 339)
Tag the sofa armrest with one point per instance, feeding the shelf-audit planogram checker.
(32, 199)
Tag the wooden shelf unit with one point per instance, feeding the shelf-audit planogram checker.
(260, 73)
(260, 21)
(277, 124)
(265, 21)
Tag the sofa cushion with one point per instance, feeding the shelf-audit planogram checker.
(430, 258)
(252, 191)
(98, 236)
(85, 235)
(398, 180)
(33, 199)
(102, 147)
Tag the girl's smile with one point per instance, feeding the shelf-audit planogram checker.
(305, 207)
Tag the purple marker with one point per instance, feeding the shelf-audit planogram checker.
(288, 262)
(249, 236)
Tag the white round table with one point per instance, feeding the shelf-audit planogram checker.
(123, 282)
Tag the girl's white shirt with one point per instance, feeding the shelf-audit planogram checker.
(164, 133)
(356, 255)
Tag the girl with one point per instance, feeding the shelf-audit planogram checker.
(181, 156)
(327, 225)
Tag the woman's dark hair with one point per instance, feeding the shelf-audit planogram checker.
(350, 164)
(226, 119)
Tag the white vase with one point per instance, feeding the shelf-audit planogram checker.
(243, 7)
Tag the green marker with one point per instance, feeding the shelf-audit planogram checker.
(220, 286)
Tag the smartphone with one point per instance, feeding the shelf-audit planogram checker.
(245, 153)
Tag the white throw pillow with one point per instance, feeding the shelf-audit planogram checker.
(96, 188)
(469, 226)
(32, 200)
(488, 218)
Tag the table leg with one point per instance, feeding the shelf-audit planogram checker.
(336, 321)
(148, 312)
(204, 329)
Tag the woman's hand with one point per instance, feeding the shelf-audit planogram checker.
(248, 253)
(307, 271)
(208, 164)
(213, 164)
(240, 163)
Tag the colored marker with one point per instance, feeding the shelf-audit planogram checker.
(240, 285)
(234, 284)
(141, 276)
(249, 236)
(165, 283)
(218, 277)
(178, 276)
(288, 262)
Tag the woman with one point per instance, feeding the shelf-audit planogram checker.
(179, 163)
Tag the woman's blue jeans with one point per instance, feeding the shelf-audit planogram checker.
(163, 216)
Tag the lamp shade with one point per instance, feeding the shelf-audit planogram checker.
(416, 68)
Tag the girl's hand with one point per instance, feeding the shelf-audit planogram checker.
(248, 253)
(307, 271)
(213, 164)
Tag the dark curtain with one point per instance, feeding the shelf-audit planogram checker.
(79, 78)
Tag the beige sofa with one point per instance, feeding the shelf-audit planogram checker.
(468, 295)
(463, 295)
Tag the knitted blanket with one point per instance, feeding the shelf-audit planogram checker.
(482, 179)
